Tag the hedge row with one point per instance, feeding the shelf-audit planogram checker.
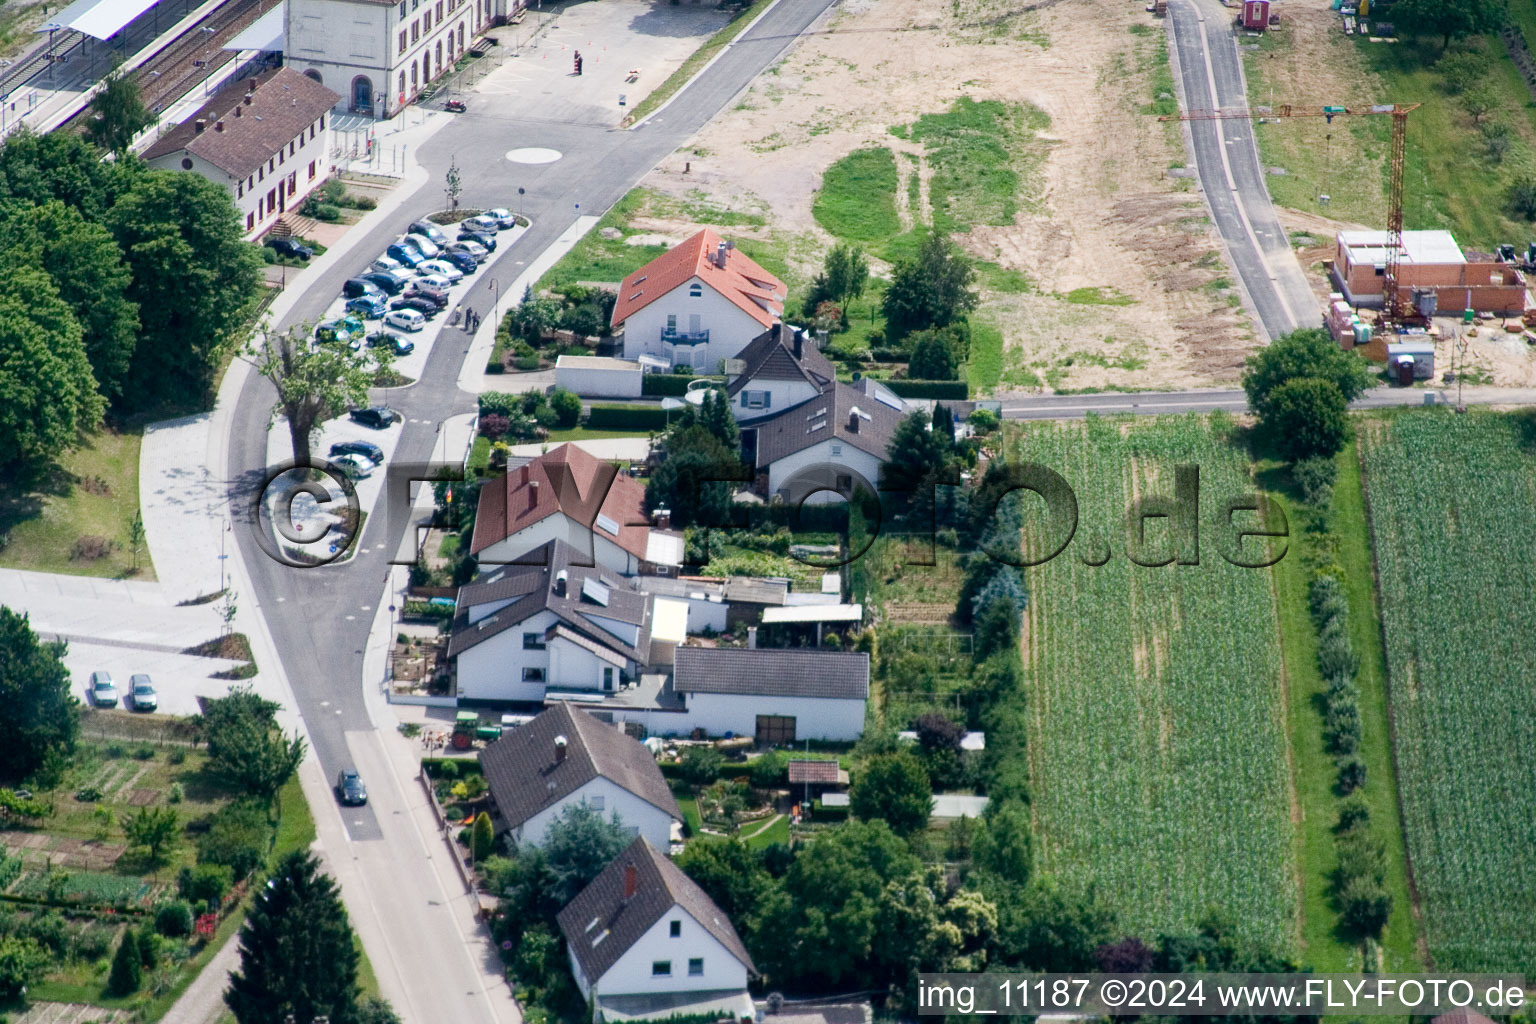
(943, 390)
(627, 417)
(668, 385)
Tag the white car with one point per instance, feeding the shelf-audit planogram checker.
(385, 265)
(354, 466)
(443, 269)
(423, 244)
(475, 249)
(405, 320)
(103, 689)
(435, 285)
(483, 223)
(503, 216)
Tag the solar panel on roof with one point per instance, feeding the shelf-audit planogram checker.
(594, 591)
(608, 525)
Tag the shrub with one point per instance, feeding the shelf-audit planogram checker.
(1315, 476)
(90, 548)
(768, 771)
(525, 364)
(942, 390)
(664, 385)
(1521, 199)
(1354, 813)
(494, 425)
(701, 765)
(116, 750)
(205, 884)
(127, 971)
(178, 755)
(1351, 773)
(144, 752)
(548, 418)
(567, 407)
(238, 837)
(1335, 657)
(984, 421)
(627, 417)
(1341, 724)
(327, 213)
(88, 795)
(1364, 906)
(365, 202)
(176, 794)
(174, 919)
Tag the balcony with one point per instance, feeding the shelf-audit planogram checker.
(673, 336)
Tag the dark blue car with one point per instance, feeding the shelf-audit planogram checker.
(463, 260)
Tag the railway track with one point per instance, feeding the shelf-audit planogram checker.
(19, 73)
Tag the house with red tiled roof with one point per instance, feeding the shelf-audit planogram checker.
(571, 496)
(698, 305)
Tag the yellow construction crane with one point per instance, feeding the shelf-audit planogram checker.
(1393, 307)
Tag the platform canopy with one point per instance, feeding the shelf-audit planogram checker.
(266, 33)
(102, 19)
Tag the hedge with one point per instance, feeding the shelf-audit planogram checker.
(951, 390)
(668, 385)
(627, 417)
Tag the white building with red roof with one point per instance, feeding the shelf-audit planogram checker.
(571, 496)
(698, 305)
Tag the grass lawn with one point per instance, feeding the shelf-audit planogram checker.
(596, 258)
(984, 158)
(703, 55)
(585, 434)
(857, 198)
(689, 805)
(778, 832)
(94, 493)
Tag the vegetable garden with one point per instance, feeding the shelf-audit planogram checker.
(1452, 504)
(1155, 697)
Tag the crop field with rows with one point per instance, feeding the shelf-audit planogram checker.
(1157, 739)
(1453, 516)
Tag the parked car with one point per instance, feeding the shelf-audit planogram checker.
(423, 244)
(504, 217)
(357, 286)
(406, 254)
(379, 417)
(466, 263)
(409, 319)
(103, 690)
(483, 222)
(472, 249)
(288, 247)
(369, 307)
(455, 106)
(366, 449)
(141, 691)
(432, 231)
(433, 284)
(354, 466)
(487, 239)
(398, 345)
(428, 303)
(346, 329)
(424, 306)
(443, 268)
(350, 789)
(385, 264)
(391, 281)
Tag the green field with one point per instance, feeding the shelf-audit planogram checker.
(857, 199)
(1157, 731)
(984, 157)
(1451, 502)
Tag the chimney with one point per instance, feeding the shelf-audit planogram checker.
(533, 494)
(523, 474)
(218, 125)
(560, 578)
(198, 126)
(559, 749)
(751, 638)
(853, 421)
(631, 882)
(238, 112)
(799, 341)
(249, 97)
(663, 519)
(720, 255)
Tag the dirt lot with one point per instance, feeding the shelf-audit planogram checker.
(1103, 212)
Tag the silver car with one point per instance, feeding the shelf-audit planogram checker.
(141, 692)
(103, 689)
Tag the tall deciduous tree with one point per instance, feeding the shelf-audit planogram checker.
(156, 829)
(1305, 353)
(117, 114)
(50, 395)
(728, 870)
(314, 383)
(1448, 19)
(1308, 418)
(194, 280)
(844, 274)
(297, 954)
(578, 845)
(59, 165)
(893, 788)
(41, 715)
(246, 747)
(933, 290)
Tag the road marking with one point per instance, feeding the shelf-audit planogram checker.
(351, 618)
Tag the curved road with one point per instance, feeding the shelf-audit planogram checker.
(319, 619)
(1210, 76)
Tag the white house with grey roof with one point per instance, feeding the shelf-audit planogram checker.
(564, 757)
(774, 695)
(646, 942)
(778, 370)
(826, 449)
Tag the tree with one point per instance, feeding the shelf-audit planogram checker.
(1052, 926)
(22, 964)
(314, 383)
(452, 186)
(933, 290)
(697, 478)
(245, 746)
(59, 165)
(1004, 845)
(578, 845)
(117, 114)
(136, 536)
(893, 788)
(715, 416)
(127, 969)
(1308, 418)
(1520, 199)
(932, 358)
(999, 620)
(174, 919)
(767, 771)
(41, 715)
(843, 275)
(482, 838)
(154, 828)
(567, 407)
(50, 393)
(1448, 19)
(917, 459)
(1309, 352)
(701, 765)
(297, 953)
(1479, 100)
(194, 279)
(87, 269)
(937, 731)
(236, 842)
(728, 871)
(534, 317)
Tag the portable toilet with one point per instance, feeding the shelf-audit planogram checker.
(1255, 14)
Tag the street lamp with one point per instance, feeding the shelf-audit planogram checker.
(495, 304)
(207, 31)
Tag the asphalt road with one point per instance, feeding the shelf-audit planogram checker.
(319, 618)
(1155, 403)
(1230, 174)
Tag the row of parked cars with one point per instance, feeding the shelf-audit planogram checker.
(141, 694)
(408, 285)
